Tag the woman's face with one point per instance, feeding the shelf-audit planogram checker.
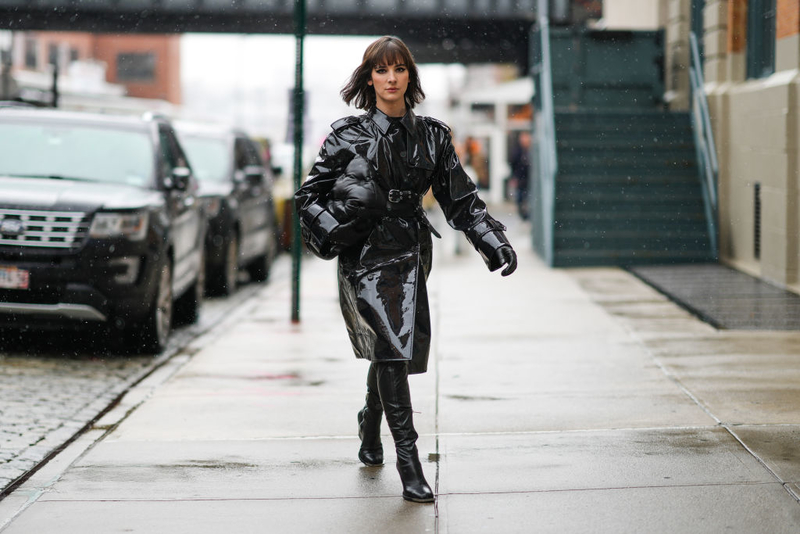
(390, 83)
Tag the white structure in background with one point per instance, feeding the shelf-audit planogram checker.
(83, 87)
(633, 15)
(484, 113)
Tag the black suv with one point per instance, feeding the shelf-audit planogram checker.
(100, 224)
(236, 187)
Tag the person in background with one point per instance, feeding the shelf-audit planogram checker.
(520, 166)
(361, 203)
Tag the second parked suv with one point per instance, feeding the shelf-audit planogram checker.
(236, 187)
(100, 224)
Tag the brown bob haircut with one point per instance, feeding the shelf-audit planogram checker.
(387, 50)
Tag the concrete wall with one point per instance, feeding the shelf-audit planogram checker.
(676, 75)
(634, 14)
(757, 127)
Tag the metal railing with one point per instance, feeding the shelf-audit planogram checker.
(545, 168)
(704, 144)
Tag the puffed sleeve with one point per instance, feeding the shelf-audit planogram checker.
(463, 209)
(316, 221)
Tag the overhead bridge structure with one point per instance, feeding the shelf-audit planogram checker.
(466, 31)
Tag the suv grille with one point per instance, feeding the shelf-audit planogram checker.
(43, 229)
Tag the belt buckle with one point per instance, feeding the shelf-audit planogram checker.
(395, 196)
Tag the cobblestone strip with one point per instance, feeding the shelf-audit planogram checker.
(46, 400)
(48, 394)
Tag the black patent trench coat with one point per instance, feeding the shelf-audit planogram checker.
(362, 203)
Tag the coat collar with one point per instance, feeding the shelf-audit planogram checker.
(383, 122)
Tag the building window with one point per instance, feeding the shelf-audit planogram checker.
(760, 38)
(74, 55)
(31, 53)
(136, 67)
(52, 53)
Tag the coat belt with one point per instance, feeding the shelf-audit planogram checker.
(404, 203)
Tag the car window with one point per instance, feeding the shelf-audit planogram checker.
(240, 153)
(252, 154)
(78, 152)
(208, 156)
(171, 154)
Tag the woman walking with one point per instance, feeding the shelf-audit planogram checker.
(362, 202)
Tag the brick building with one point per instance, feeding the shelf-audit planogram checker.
(148, 66)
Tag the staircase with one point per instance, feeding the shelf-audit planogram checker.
(626, 188)
(627, 191)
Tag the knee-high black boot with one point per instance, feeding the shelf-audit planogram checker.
(396, 400)
(369, 423)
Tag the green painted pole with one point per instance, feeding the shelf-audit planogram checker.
(297, 244)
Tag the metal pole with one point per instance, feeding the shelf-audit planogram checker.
(55, 84)
(297, 244)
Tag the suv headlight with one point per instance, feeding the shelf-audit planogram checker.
(130, 225)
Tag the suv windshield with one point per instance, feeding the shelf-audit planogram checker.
(76, 152)
(208, 156)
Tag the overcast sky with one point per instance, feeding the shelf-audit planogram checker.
(247, 80)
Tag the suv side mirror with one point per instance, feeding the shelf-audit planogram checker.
(254, 174)
(179, 180)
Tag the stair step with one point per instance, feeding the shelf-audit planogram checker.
(611, 138)
(654, 191)
(622, 122)
(645, 190)
(647, 215)
(630, 220)
(616, 113)
(593, 234)
(617, 197)
(567, 227)
(633, 157)
(655, 180)
(627, 144)
(626, 168)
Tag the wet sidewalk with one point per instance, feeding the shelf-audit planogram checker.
(557, 401)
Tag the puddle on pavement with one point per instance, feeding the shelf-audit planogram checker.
(473, 398)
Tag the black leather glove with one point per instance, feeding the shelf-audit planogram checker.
(505, 255)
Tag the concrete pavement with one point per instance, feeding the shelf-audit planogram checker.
(557, 401)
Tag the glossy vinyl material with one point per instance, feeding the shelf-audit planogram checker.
(384, 248)
(369, 422)
(392, 380)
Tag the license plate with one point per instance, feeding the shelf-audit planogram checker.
(13, 278)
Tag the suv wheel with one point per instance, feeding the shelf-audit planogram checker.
(224, 280)
(259, 269)
(187, 307)
(158, 323)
